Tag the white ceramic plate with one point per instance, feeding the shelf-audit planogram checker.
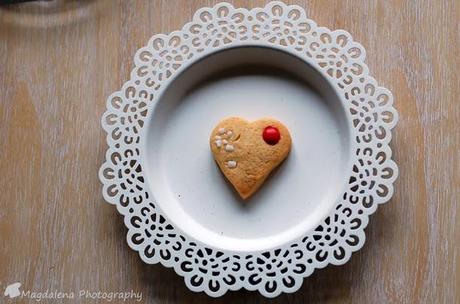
(267, 62)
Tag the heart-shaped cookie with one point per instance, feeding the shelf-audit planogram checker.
(247, 152)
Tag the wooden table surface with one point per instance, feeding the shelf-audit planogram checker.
(60, 60)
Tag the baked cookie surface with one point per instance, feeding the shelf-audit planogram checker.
(246, 152)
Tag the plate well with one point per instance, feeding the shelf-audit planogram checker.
(251, 82)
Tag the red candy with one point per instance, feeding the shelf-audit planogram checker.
(271, 135)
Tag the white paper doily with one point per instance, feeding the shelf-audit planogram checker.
(280, 269)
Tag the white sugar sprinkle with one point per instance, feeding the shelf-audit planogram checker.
(231, 164)
(229, 148)
(225, 141)
(218, 143)
(221, 130)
